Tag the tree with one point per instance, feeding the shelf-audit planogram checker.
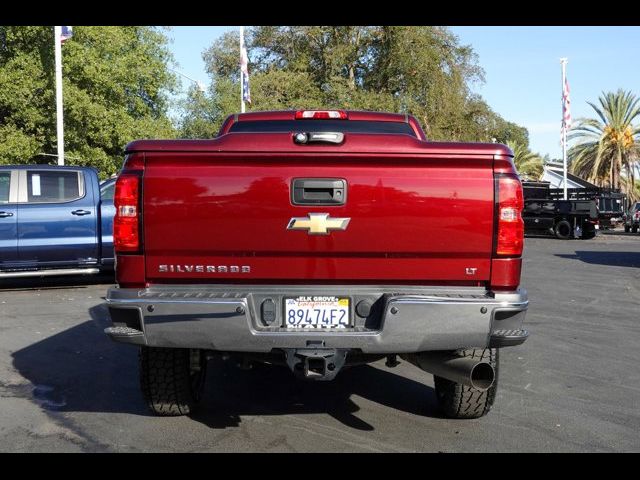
(528, 164)
(199, 119)
(608, 145)
(115, 85)
(420, 70)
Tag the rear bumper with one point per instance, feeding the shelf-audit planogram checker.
(401, 319)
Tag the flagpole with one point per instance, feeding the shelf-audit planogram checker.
(59, 119)
(241, 74)
(563, 64)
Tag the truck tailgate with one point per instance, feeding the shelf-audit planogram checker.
(221, 217)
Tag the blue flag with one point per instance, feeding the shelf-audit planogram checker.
(66, 33)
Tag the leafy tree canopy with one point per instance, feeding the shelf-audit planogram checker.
(115, 85)
(421, 70)
(529, 165)
(607, 148)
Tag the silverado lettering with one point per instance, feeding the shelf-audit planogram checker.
(428, 269)
(204, 268)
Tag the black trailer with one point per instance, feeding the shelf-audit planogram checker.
(611, 203)
(563, 218)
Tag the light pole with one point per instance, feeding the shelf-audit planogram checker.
(57, 34)
(563, 64)
(242, 65)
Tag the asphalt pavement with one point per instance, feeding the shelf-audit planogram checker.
(574, 386)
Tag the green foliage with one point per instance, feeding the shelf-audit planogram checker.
(528, 164)
(420, 70)
(608, 148)
(115, 85)
(200, 118)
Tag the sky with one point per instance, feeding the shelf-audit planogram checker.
(522, 69)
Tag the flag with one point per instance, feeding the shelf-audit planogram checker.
(66, 34)
(566, 110)
(244, 68)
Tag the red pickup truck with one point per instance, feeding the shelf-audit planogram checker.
(318, 240)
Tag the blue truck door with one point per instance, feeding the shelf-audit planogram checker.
(8, 217)
(57, 218)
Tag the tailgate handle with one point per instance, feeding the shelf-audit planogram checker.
(318, 137)
(319, 191)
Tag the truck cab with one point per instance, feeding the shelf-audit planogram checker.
(51, 221)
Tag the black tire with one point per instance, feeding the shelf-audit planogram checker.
(171, 379)
(563, 230)
(634, 229)
(627, 228)
(459, 401)
(588, 232)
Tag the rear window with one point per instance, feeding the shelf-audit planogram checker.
(5, 178)
(344, 126)
(52, 186)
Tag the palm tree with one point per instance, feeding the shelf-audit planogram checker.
(528, 164)
(609, 145)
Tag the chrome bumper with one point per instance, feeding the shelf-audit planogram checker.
(228, 318)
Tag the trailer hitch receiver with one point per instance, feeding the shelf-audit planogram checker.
(316, 363)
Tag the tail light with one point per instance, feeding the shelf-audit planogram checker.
(637, 215)
(321, 114)
(126, 223)
(510, 237)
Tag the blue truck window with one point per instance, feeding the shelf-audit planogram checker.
(106, 192)
(49, 186)
(5, 179)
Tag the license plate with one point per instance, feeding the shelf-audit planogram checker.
(316, 312)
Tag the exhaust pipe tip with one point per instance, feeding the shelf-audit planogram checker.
(482, 376)
(470, 372)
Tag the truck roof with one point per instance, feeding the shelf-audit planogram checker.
(44, 166)
(290, 115)
(357, 142)
(275, 143)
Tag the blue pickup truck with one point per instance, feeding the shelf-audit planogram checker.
(54, 221)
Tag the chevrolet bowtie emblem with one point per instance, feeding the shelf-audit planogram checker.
(318, 223)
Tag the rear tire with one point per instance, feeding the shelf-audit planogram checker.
(172, 379)
(459, 401)
(588, 233)
(634, 229)
(562, 230)
(627, 228)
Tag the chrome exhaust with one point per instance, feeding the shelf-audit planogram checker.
(467, 371)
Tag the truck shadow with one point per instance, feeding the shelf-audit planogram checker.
(613, 259)
(273, 390)
(618, 233)
(81, 370)
(540, 235)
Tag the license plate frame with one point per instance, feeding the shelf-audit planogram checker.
(319, 321)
